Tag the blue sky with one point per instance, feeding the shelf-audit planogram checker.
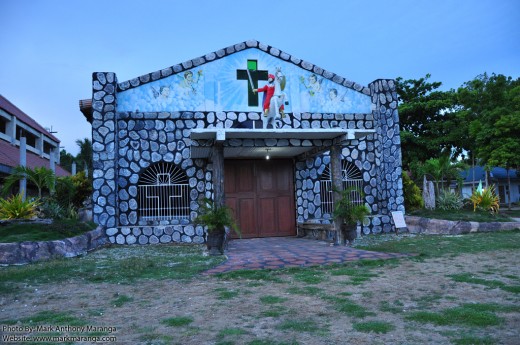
(51, 48)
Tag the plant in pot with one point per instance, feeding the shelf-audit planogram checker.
(349, 212)
(216, 218)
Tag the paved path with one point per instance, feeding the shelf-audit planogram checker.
(280, 252)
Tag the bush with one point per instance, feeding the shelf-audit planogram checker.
(49, 208)
(16, 208)
(83, 189)
(412, 194)
(447, 200)
(486, 200)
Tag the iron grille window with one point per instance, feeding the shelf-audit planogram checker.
(163, 193)
(351, 177)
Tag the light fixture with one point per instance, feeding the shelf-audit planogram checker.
(267, 154)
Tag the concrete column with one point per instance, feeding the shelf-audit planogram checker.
(218, 174)
(23, 163)
(104, 148)
(337, 185)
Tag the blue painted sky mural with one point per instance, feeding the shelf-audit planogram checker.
(226, 85)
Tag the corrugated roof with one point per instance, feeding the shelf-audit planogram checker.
(480, 174)
(10, 156)
(12, 109)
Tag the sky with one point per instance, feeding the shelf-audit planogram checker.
(50, 48)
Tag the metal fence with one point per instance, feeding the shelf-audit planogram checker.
(163, 193)
(164, 202)
(351, 177)
(327, 203)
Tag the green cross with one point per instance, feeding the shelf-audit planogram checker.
(256, 75)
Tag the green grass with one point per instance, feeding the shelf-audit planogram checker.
(116, 264)
(268, 299)
(395, 308)
(120, 300)
(475, 315)
(309, 326)
(59, 229)
(275, 311)
(471, 340)
(256, 275)
(373, 326)
(428, 246)
(49, 318)
(346, 306)
(178, 321)
(270, 342)
(225, 294)
(308, 276)
(463, 215)
(306, 290)
(492, 284)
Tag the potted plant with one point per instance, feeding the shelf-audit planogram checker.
(216, 218)
(349, 213)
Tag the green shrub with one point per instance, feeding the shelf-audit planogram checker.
(448, 200)
(50, 208)
(83, 188)
(486, 200)
(16, 208)
(412, 194)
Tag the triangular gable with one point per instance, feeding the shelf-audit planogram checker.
(223, 81)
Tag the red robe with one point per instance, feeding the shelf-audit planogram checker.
(269, 92)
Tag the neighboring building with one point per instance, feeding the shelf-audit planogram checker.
(42, 148)
(497, 177)
(204, 128)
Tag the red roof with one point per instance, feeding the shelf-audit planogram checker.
(12, 109)
(10, 156)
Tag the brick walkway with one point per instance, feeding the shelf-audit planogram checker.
(280, 252)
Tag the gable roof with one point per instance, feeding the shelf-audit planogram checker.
(12, 109)
(86, 104)
(221, 53)
(10, 158)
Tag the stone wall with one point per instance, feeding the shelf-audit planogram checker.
(28, 252)
(126, 143)
(418, 225)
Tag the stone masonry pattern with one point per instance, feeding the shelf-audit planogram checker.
(125, 144)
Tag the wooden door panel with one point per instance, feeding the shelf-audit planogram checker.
(262, 195)
(246, 218)
(285, 222)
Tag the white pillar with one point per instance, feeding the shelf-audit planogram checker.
(23, 163)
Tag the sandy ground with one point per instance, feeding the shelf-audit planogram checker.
(241, 311)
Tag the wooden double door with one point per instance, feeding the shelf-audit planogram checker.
(261, 193)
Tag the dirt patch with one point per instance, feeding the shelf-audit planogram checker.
(293, 308)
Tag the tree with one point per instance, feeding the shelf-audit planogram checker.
(430, 122)
(84, 157)
(66, 160)
(493, 105)
(442, 169)
(41, 177)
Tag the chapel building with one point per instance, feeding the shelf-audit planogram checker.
(251, 125)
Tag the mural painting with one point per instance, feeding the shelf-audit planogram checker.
(245, 81)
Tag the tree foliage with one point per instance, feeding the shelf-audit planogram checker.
(41, 177)
(492, 106)
(430, 121)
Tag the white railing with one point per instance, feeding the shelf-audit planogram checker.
(327, 201)
(164, 201)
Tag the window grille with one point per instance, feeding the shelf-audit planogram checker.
(351, 177)
(163, 193)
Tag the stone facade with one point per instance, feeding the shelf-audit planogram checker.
(126, 143)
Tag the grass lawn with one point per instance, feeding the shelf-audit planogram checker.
(58, 230)
(458, 290)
